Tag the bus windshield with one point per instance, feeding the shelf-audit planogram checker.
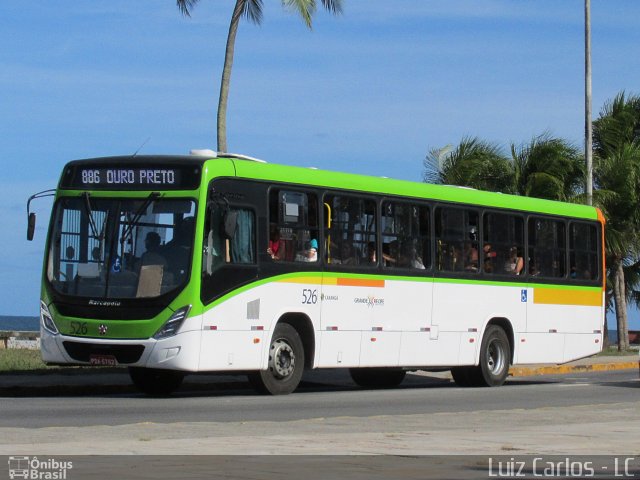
(114, 248)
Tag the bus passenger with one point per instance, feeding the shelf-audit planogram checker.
(371, 253)
(152, 256)
(514, 263)
(311, 254)
(489, 257)
(276, 245)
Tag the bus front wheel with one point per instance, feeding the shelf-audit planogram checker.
(156, 382)
(286, 363)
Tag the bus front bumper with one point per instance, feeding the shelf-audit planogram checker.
(179, 352)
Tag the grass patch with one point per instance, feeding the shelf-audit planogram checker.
(613, 351)
(20, 359)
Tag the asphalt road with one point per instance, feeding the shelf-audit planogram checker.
(323, 395)
(428, 428)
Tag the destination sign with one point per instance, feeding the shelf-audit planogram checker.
(83, 177)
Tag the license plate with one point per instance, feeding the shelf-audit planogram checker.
(103, 360)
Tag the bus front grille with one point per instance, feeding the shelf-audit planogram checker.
(82, 352)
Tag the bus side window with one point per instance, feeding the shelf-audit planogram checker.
(583, 252)
(229, 237)
(547, 248)
(293, 226)
(503, 244)
(457, 239)
(405, 235)
(351, 236)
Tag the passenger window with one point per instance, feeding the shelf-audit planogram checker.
(405, 236)
(229, 237)
(350, 233)
(503, 244)
(583, 248)
(293, 226)
(547, 248)
(457, 240)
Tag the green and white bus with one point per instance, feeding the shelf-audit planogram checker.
(224, 263)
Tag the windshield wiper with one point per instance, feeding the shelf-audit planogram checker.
(92, 223)
(153, 196)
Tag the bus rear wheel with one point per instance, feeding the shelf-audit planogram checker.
(495, 358)
(156, 382)
(377, 377)
(286, 363)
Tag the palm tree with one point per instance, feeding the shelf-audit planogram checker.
(617, 175)
(252, 11)
(473, 163)
(547, 167)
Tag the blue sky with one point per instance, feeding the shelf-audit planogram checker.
(368, 92)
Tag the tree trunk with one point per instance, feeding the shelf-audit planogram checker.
(605, 333)
(621, 307)
(226, 75)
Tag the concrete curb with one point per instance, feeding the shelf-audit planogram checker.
(564, 369)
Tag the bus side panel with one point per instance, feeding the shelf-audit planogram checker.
(465, 309)
(236, 333)
(406, 311)
(563, 325)
(231, 340)
(345, 314)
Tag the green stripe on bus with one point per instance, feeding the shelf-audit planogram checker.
(386, 186)
(388, 278)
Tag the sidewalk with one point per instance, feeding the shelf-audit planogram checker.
(92, 381)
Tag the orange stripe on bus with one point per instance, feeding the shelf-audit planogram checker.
(360, 282)
(550, 296)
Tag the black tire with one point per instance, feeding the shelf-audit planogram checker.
(286, 363)
(377, 377)
(461, 375)
(495, 359)
(156, 382)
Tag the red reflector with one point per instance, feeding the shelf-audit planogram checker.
(473, 330)
(373, 339)
(332, 329)
(212, 327)
(257, 327)
(256, 340)
(471, 340)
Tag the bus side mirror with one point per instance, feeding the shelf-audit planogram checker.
(31, 227)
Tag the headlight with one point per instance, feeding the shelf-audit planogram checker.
(47, 319)
(174, 323)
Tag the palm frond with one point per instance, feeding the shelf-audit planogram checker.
(305, 8)
(185, 6)
(252, 11)
(333, 6)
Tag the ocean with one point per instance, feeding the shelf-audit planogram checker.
(23, 324)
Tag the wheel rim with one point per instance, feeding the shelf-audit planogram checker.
(496, 357)
(282, 360)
